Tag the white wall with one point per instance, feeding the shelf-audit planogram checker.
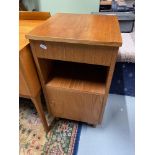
(66, 6)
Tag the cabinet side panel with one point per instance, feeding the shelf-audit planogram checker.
(23, 89)
(108, 81)
(40, 67)
(29, 71)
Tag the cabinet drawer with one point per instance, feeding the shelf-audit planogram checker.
(74, 52)
(75, 105)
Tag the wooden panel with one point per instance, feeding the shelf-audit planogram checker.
(46, 68)
(26, 26)
(29, 71)
(108, 82)
(27, 21)
(79, 28)
(80, 85)
(33, 15)
(29, 82)
(23, 89)
(75, 105)
(37, 102)
(74, 52)
(43, 72)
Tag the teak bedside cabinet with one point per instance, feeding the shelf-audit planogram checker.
(29, 84)
(75, 56)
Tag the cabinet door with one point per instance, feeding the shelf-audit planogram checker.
(75, 105)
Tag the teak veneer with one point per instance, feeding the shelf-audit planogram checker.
(75, 55)
(29, 84)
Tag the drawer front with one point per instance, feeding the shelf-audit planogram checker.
(75, 105)
(90, 54)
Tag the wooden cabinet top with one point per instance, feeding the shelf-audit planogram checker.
(79, 28)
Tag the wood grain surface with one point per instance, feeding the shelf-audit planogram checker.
(75, 52)
(78, 77)
(79, 28)
(29, 71)
(75, 56)
(23, 89)
(29, 84)
(25, 26)
(33, 15)
(76, 91)
(70, 104)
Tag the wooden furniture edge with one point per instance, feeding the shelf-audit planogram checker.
(35, 97)
(108, 83)
(40, 76)
(31, 36)
(23, 66)
(33, 15)
(87, 42)
(38, 105)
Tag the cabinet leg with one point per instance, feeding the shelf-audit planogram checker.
(57, 118)
(92, 125)
(37, 102)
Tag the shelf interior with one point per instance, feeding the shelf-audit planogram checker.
(77, 76)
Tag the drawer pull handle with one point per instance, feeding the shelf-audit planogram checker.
(43, 46)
